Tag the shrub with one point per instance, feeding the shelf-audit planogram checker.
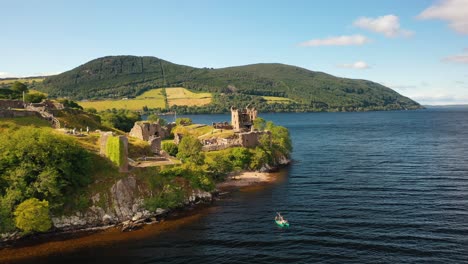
(190, 150)
(33, 215)
(171, 148)
(184, 121)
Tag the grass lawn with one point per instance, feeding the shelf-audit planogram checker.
(14, 123)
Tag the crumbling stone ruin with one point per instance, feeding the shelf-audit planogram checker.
(252, 138)
(242, 119)
(10, 104)
(222, 125)
(151, 132)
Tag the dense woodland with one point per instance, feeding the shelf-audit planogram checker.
(129, 76)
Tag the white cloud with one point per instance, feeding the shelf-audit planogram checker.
(388, 25)
(12, 75)
(336, 41)
(453, 11)
(4, 74)
(46, 73)
(461, 58)
(357, 65)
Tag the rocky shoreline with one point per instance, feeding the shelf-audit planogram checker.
(128, 213)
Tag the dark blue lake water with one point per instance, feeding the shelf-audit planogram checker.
(376, 187)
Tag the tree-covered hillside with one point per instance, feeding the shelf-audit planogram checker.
(128, 76)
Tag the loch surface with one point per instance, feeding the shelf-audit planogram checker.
(375, 187)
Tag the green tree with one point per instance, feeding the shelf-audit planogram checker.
(259, 123)
(34, 97)
(33, 215)
(259, 158)
(218, 164)
(157, 119)
(41, 164)
(70, 104)
(19, 87)
(190, 150)
(240, 157)
(120, 119)
(170, 148)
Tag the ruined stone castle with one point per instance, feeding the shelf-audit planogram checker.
(151, 132)
(242, 119)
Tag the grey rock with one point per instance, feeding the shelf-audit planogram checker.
(122, 196)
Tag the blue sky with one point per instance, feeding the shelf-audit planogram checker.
(419, 48)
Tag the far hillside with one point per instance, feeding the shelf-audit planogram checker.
(117, 77)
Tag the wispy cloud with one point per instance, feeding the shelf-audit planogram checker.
(440, 99)
(459, 58)
(388, 25)
(462, 58)
(46, 73)
(12, 75)
(452, 11)
(336, 41)
(357, 65)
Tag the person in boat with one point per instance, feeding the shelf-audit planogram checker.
(280, 218)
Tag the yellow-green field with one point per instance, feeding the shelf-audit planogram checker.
(23, 80)
(182, 96)
(152, 99)
(131, 104)
(281, 100)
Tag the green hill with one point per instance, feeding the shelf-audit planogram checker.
(130, 76)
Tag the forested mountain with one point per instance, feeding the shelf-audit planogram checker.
(128, 76)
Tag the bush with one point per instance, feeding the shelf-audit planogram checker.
(70, 104)
(190, 150)
(34, 97)
(170, 148)
(33, 215)
(184, 121)
(40, 164)
(121, 119)
(240, 157)
(170, 197)
(91, 110)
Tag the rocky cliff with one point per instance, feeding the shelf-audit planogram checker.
(121, 204)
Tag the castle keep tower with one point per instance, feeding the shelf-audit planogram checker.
(242, 119)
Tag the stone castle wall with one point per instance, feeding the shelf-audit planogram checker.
(6, 104)
(251, 139)
(4, 113)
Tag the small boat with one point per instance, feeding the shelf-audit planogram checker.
(280, 221)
